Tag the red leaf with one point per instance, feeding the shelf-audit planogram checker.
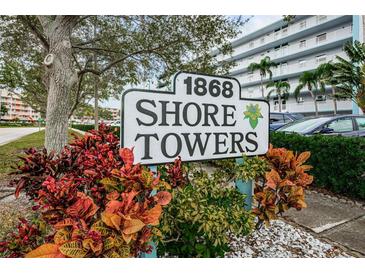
(19, 187)
(127, 155)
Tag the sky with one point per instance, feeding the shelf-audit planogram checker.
(255, 23)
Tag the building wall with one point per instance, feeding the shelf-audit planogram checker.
(17, 109)
(300, 46)
(115, 112)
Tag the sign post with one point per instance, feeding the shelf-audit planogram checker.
(204, 117)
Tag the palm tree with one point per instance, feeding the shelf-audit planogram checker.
(281, 88)
(264, 67)
(309, 80)
(350, 75)
(325, 74)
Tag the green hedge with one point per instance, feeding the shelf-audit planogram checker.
(90, 127)
(338, 162)
(19, 124)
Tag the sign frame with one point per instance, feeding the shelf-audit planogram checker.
(173, 91)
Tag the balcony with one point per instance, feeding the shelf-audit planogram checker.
(334, 38)
(287, 70)
(292, 32)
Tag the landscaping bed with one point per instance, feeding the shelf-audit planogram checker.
(281, 240)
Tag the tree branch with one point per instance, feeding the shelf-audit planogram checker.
(77, 99)
(94, 49)
(27, 21)
(115, 62)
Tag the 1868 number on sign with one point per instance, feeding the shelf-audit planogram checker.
(214, 87)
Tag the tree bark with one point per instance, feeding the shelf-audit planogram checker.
(62, 78)
(315, 102)
(334, 100)
(96, 98)
(262, 87)
(96, 92)
(279, 102)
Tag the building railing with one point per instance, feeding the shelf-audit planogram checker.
(298, 46)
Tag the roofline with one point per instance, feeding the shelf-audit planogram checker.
(277, 24)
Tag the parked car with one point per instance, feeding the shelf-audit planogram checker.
(278, 119)
(345, 125)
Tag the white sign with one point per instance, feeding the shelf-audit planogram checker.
(204, 117)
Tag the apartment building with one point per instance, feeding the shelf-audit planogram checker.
(296, 47)
(17, 109)
(115, 113)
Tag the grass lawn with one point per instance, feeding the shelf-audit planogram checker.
(9, 153)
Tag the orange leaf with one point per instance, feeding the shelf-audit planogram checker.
(111, 219)
(304, 156)
(272, 178)
(132, 226)
(64, 223)
(163, 197)
(45, 251)
(152, 215)
(113, 206)
(113, 195)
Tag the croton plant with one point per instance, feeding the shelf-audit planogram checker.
(282, 186)
(90, 201)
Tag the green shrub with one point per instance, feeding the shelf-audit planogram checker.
(115, 129)
(19, 124)
(201, 213)
(338, 162)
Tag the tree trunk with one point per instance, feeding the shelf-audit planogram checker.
(262, 87)
(96, 92)
(314, 101)
(96, 98)
(61, 77)
(279, 102)
(334, 100)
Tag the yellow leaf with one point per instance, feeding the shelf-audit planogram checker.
(45, 251)
(101, 228)
(73, 249)
(127, 237)
(61, 236)
(132, 226)
(109, 183)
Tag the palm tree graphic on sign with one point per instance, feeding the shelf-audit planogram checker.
(253, 113)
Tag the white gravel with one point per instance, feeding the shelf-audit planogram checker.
(281, 240)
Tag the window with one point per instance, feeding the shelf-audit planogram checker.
(300, 100)
(321, 38)
(321, 58)
(360, 121)
(302, 63)
(302, 44)
(302, 24)
(251, 44)
(341, 125)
